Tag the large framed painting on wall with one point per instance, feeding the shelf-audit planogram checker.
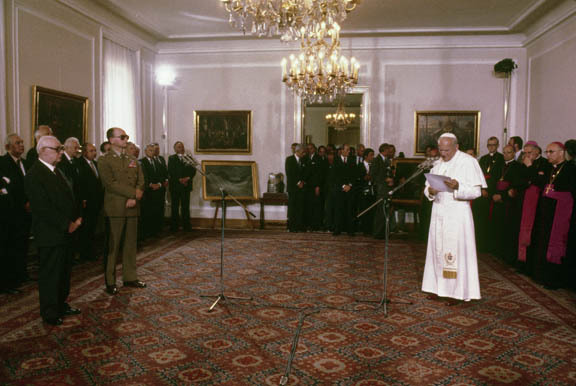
(238, 178)
(430, 125)
(223, 132)
(65, 113)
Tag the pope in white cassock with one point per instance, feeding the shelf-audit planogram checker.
(451, 268)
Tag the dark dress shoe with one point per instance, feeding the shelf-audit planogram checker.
(135, 284)
(112, 289)
(71, 311)
(53, 321)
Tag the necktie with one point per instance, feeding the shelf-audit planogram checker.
(21, 167)
(93, 168)
(62, 179)
(344, 159)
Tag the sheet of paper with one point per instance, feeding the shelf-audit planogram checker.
(436, 181)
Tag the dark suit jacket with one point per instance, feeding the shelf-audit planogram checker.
(89, 185)
(53, 206)
(346, 173)
(295, 172)
(178, 169)
(153, 172)
(32, 156)
(315, 177)
(381, 170)
(10, 169)
(162, 167)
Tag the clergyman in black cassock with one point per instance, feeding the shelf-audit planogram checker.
(491, 165)
(554, 218)
(504, 220)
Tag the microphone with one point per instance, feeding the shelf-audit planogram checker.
(428, 163)
(189, 159)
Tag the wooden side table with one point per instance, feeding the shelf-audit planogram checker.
(271, 199)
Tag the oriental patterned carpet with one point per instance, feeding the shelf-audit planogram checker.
(518, 334)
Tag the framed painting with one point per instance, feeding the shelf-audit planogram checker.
(223, 132)
(238, 178)
(65, 113)
(430, 125)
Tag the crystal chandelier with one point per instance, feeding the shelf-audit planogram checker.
(340, 119)
(291, 19)
(320, 73)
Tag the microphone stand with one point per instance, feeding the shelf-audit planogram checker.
(386, 208)
(220, 295)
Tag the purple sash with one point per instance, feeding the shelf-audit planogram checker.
(502, 185)
(560, 226)
(528, 215)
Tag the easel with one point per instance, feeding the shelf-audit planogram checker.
(218, 204)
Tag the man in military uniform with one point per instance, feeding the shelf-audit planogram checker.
(124, 185)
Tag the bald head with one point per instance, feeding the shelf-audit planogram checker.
(555, 153)
(508, 152)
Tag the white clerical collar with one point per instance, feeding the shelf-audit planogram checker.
(492, 154)
(51, 167)
(507, 162)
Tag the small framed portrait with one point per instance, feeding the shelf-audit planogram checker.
(223, 132)
(238, 178)
(65, 113)
(430, 125)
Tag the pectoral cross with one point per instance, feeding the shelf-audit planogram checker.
(549, 188)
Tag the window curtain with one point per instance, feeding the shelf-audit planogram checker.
(121, 90)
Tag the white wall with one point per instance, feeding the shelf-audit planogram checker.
(57, 44)
(246, 75)
(551, 95)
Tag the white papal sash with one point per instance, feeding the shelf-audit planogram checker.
(447, 244)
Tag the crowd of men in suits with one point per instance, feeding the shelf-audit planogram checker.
(66, 199)
(328, 187)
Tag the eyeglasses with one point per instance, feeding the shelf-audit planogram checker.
(122, 137)
(56, 149)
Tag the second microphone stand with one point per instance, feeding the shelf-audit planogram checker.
(386, 205)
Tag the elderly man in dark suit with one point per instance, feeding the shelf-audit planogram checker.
(92, 195)
(14, 169)
(55, 217)
(180, 181)
(154, 193)
(383, 180)
(123, 182)
(346, 172)
(297, 172)
(32, 154)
